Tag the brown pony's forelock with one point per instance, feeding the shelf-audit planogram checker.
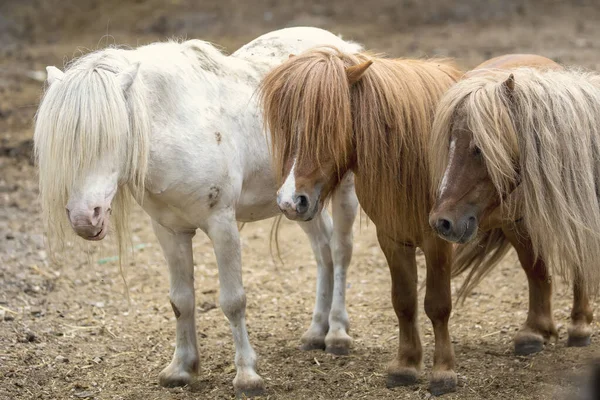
(381, 123)
(306, 104)
(546, 136)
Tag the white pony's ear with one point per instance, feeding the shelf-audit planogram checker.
(54, 74)
(127, 77)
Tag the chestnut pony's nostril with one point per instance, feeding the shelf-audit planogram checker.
(301, 204)
(444, 226)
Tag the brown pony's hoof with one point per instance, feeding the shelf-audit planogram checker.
(442, 382)
(580, 335)
(579, 341)
(527, 343)
(402, 377)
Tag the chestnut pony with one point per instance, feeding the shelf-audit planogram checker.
(330, 112)
(519, 147)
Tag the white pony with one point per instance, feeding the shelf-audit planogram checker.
(176, 126)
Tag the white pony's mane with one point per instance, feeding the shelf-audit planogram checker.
(82, 118)
(86, 115)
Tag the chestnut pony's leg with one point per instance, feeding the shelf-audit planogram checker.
(404, 369)
(582, 315)
(438, 306)
(539, 327)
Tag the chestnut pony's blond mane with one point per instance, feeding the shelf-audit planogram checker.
(378, 126)
(544, 134)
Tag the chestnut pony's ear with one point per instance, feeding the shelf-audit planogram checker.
(355, 72)
(291, 55)
(509, 84)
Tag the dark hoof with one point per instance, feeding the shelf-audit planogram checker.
(247, 393)
(405, 379)
(579, 341)
(442, 382)
(338, 350)
(527, 347)
(312, 345)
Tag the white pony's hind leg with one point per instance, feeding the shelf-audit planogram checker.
(319, 232)
(177, 248)
(344, 208)
(223, 231)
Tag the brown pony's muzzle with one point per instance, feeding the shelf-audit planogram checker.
(295, 207)
(454, 227)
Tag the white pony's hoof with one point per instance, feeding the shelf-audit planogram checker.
(311, 341)
(174, 375)
(248, 384)
(338, 343)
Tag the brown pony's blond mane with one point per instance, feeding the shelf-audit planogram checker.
(545, 136)
(379, 126)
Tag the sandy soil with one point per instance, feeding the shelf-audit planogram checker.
(66, 329)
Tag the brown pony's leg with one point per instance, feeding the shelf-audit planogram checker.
(582, 315)
(404, 370)
(539, 327)
(438, 306)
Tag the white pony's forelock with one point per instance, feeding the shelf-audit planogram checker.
(82, 118)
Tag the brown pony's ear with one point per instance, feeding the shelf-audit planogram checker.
(355, 72)
(509, 84)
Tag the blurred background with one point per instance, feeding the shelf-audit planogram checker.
(66, 330)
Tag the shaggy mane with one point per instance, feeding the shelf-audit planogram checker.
(82, 118)
(545, 137)
(384, 120)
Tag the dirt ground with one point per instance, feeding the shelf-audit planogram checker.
(66, 329)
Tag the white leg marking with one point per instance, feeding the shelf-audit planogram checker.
(177, 248)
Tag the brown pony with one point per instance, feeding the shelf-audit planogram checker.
(520, 149)
(330, 113)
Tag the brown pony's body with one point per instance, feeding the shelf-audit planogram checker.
(329, 113)
(501, 222)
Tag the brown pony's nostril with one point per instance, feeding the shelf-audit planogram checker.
(301, 204)
(444, 226)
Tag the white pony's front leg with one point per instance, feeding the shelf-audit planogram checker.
(223, 231)
(345, 207)
(177, 248)
(319, 232)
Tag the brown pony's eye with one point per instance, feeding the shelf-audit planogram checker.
(477, 151)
